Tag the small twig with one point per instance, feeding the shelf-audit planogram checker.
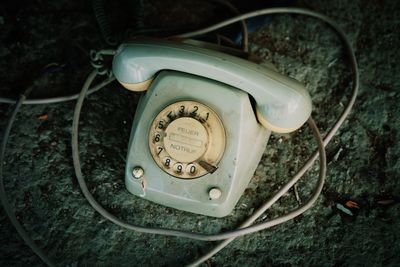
(296, 193)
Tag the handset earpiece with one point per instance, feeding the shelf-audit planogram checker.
(282, 103)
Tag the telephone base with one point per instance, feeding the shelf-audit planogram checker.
(213, 194)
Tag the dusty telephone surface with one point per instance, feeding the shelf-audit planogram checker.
(197, 136)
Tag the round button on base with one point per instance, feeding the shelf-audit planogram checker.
(214, 193)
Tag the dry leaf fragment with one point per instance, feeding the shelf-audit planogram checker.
(44, 117)
(352, 204)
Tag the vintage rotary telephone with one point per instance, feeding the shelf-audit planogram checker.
(201, 127)
(199, 130)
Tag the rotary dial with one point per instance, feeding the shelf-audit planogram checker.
(187, 139)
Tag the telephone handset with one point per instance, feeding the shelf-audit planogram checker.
(196, 139)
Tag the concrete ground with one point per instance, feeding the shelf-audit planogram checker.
(45, 46)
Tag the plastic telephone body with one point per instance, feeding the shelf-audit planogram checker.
(216, 173)
(244, 146)
(282, 104)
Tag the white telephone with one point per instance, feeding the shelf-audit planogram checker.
(201, 127)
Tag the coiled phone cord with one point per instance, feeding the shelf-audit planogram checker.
(105, 28)
(229, 236)
(102, 20)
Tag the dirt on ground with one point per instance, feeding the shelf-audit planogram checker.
(45, 45)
